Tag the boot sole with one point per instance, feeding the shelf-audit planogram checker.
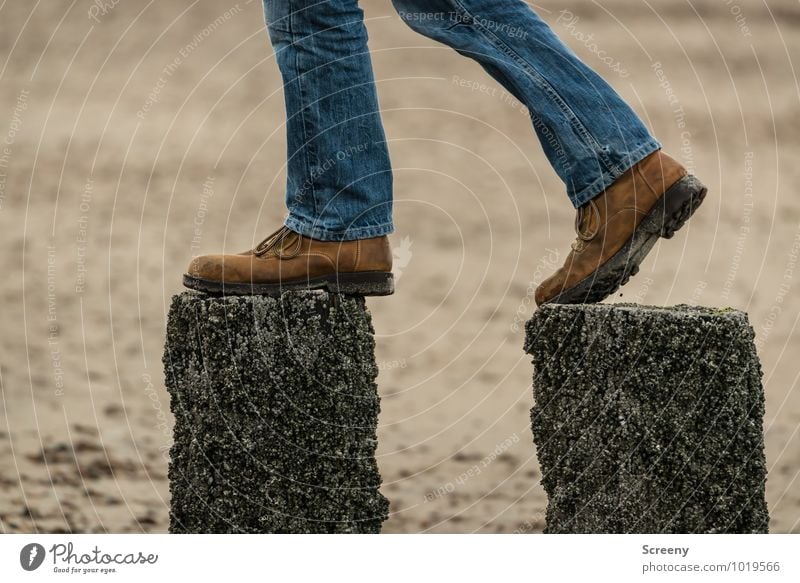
(365, 283)
(670, 213)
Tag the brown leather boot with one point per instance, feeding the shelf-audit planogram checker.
(618, 228)
(288, 261)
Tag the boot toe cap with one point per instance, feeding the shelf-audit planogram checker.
(206, 267)
(550, 288)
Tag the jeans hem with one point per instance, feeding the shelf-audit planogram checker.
(322, 234)
(609, 176)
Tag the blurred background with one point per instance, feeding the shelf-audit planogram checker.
(136, 134)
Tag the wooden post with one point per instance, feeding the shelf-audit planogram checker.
(648, 419)
(275, 408)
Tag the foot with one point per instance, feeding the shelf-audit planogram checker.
(617, 229)
(288, 261)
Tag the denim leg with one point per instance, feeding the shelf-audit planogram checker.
(589, 134)
(339, 184)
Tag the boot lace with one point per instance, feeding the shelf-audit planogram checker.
(274, 244)
(583, 225)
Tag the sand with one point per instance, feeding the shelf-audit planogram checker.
(115, 170)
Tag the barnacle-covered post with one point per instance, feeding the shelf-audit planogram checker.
(648, 419)
(276, 408)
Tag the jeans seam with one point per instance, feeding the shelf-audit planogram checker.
(543, 83)
(306, 147)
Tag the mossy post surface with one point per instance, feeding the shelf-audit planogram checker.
(276, 410)
(648, 420)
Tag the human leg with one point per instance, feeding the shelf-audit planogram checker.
(588, 132)
(339, 180)
(628, 194)
(339, 184)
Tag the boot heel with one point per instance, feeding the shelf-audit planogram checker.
(370, 283)
(680, 202)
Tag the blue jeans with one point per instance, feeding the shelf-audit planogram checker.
(339, 184)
